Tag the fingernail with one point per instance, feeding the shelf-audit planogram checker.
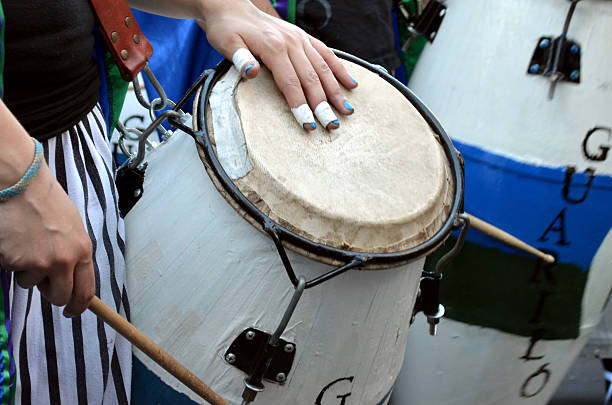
(353, 80)
(348, 106)
(246, 69)
(335, 124)
(310, 126)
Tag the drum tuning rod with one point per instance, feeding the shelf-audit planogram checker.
(508, 239)
(156, 353)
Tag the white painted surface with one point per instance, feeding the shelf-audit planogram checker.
(473, 77)
(199, 274)
(469, 365)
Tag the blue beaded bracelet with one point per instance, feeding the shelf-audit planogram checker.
(27, 178)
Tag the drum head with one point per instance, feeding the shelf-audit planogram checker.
(380, 183)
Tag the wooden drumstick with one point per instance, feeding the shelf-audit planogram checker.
(159, 355)
(508, 239)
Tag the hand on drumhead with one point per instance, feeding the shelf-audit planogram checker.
(304, 69)
(43, 241)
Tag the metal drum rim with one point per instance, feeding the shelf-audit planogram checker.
(287, 237)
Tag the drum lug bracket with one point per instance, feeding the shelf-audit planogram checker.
(428, 300)
(556, 58)
(425, 24)
(245, 350)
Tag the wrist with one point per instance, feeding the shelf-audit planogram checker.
(27, 178)
(15, 162)
(211, 8)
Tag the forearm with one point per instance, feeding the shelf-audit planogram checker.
(265, 6)
(17, 149)
(196, 9)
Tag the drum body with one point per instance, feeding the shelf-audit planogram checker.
(199, 274)
(537, 168)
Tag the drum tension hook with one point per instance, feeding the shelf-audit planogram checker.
(558, 58)
(428, 300)
(262, 355)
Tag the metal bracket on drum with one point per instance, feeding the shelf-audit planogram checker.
(270, 358)
(558, 58)
(426, 24)
(428, 300)
(252, 343)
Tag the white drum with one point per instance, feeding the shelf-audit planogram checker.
(535, 167)
(379, 192)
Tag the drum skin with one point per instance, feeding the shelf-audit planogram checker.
(199, 274)
(514, 325)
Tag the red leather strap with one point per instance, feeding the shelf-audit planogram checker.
(129, 47)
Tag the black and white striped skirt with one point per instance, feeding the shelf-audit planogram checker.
(78, 360)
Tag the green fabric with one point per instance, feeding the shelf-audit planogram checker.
(117, 90)
(412, 54)
(291, 10)
(8, 379)
(8, 395)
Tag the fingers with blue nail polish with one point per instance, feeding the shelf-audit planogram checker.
(349, 107)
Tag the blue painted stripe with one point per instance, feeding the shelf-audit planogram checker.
(525, 199)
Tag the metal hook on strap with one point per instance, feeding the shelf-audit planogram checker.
(165, 102)
(139, 158)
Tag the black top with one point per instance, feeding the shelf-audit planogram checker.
(51, 79)
(363, 28)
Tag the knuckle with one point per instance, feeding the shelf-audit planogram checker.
(323, 67)
(42, 263)
(312, 78)
(292, 83)
(85, 247)
(63, 259)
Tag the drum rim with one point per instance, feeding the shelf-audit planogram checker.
(202, 137)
